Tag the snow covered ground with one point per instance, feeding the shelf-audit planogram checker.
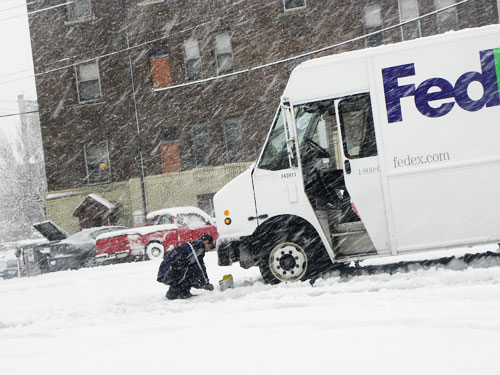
(115, 320)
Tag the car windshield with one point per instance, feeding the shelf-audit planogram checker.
(160, 220)
(191, 220)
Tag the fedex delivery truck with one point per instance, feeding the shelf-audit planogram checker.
(384, 151)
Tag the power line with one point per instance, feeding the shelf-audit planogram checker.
(259, 67)
(19, 113)
(17, 6)
(256, 67)
(101, 48)
(36, 11)
(101, 56)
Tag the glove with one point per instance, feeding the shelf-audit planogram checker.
(209, 287)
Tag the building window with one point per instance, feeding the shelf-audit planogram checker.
(408, 9)
(160, 65)
(79, 9)
(170, 153)
(97, 160)
(373, 22)
(234, 141)
(201, 143)
(294, 4)
(169, 134)
(192, 59)
(206, 203)
(447, 19)
(89, 86)
(224, 53)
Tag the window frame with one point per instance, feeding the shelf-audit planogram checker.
(217, 54)
(207, 159)
(294, 8)
(419, 27)
(186, 59)
(78, 81)
(87, 177)
(373, 40)
(148, 2)
(70, 18)
(160, 50)
(440, 14)
(239, 141)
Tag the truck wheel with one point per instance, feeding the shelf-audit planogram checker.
(290, 257)
(154, 251)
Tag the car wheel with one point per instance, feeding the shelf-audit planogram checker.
(154, 251)
(288, 257)
(89, 262)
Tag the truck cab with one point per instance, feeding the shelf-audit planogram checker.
(377, 152)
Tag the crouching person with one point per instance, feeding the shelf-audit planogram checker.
(183, 268)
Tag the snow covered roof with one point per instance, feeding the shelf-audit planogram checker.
(174, 211)
(62, 195)
(32, 242)
(97, 198)
(102, 201)
(140, 230)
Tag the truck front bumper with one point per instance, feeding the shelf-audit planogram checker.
(230, 250)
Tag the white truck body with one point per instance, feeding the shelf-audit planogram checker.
(431, 107)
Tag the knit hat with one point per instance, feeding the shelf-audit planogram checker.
(206, 237)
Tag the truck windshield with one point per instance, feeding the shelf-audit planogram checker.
(275, 156)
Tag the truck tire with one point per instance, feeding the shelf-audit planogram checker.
(154, 251)
(290, 256)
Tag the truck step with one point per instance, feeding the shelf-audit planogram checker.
(345, 229)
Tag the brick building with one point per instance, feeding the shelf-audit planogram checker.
(117, 103)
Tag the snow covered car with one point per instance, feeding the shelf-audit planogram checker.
(75, 251)
(165, 229)
(9, 265)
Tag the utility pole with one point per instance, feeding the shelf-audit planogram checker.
(137, 127)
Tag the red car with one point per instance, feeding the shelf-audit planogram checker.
(165, 230)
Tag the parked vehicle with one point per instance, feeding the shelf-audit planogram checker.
(405, 132)
(165, 230)
(24, 258)
(9, 266)
(71, 252)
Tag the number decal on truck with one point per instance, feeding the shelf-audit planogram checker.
(289, 175)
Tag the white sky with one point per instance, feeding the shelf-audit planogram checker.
(16, 61)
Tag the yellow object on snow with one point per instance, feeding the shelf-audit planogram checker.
(226, 282)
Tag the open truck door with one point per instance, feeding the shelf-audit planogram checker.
(277, 180)
(362, 173)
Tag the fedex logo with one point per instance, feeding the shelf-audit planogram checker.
(434, 89)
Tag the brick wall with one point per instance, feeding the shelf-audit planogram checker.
(162, 191)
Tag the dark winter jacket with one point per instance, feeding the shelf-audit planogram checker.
(185, 265)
